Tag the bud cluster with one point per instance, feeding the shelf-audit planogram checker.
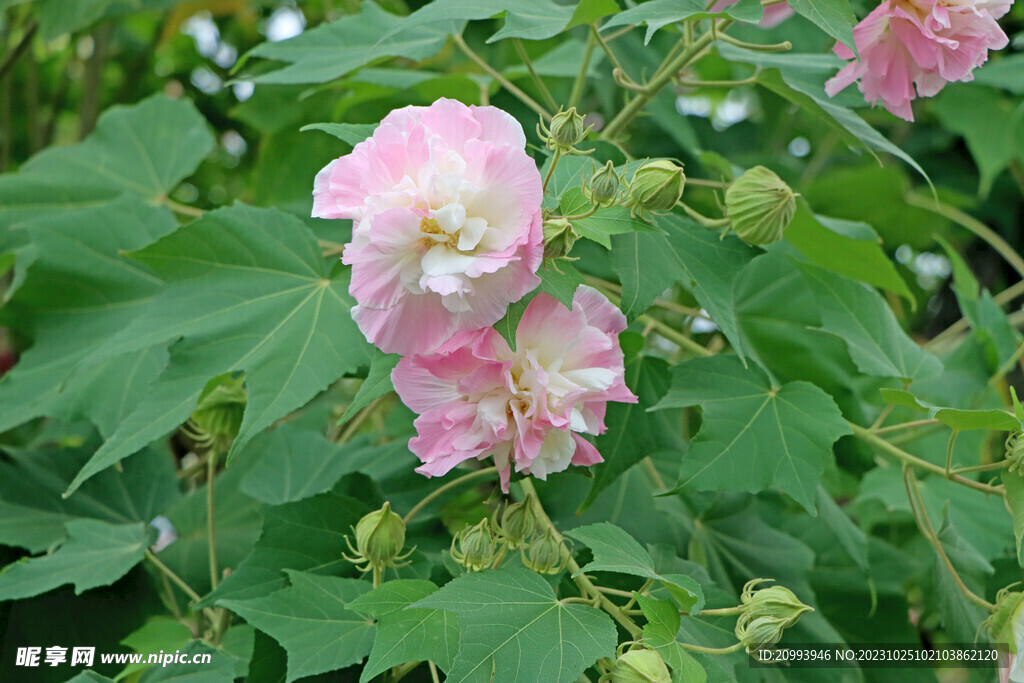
(479, 546)
(765, 613)
(380, 538)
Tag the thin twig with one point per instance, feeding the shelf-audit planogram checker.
(508, 85)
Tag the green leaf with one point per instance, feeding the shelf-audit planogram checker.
(78, 293)
(648, 263)
(754, 436)
(862, 318)
(834, 17)
(407, 635)
(604, 223)
(660, 631)
(843, 529)
(633, 432)
(95, 554)
(1007, 72)
(560, 280)
(144, 150)
(376, 384)
(307, 536)
(332, 50)
(57, 17)
(533, 20)
(616, 551)
(90, 676)
(659, 13)
(249, 291)
(161, 633)
(351, 133)
(514, 630)
(220, 668)
(589, 11)
(312, 621)
(960, 616)
(1014, 484)
(291, 464)
(858, 258)
(33, 513)
(955, 418)
(989, 122)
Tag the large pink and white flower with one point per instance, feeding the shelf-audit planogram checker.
(528, 407)
(911, 48)
(447, 222)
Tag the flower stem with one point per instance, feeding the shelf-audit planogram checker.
(537, 81)
(712, 650)
(925, 525)
(586, 586)
(912, 460)
(441, 490)
(972, 224)
(904, 425)
(551, 169)
(505, 83)
(169, 573)
(581, 79)
(211, 473)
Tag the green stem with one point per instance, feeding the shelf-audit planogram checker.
(606, 48)
(581, 79)
(551, 169)
(673, 335)
(661, 78)
(211, 473)
(11, 57)
(949, 452)
(1002, 298)
(722, 611)
(712, 650)
(784, 46)
(183, 209)
(904, 457)
(378, 576)
(632, 598)
(715, 84)
(904, 425)
(167, 572)
(1007, 366)
(982, 468)
(537, 81)
(505, 83)
(712, 223)
(972, 224)
(586, 586)
(925, 525)
(441, 490)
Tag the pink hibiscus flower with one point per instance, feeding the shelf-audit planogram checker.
(527, 407)
(447, 228)
(912, 48)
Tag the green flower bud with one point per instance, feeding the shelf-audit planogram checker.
(759, 206)
(567, 130)
(518, 522)
(656, 186)
(1000, 623)
(475, 547)
(773, 601)
(559, 237)
(640, 666)
(215, 422)
(603, 188)
(1015, 453)
(380, 537)
(759, 632)
(544, 554)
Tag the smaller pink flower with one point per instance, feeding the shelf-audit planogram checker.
(527, 408)
(773, 14)
(911, 48)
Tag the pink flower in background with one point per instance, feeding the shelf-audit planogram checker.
(773, 14)
(911, 48)
(526, 407)
(447, 222)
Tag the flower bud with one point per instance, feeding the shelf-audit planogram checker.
(518, 523)
(773, 601)
(640, 666)
(759, 632)
(760, 206)
(559, 237)
(1015, 453)
(475, 547)
(544, 554)
(656, 186)
(380, 537)
(567, 129)
(1000, 624)
(218, 414)
(603, 188)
